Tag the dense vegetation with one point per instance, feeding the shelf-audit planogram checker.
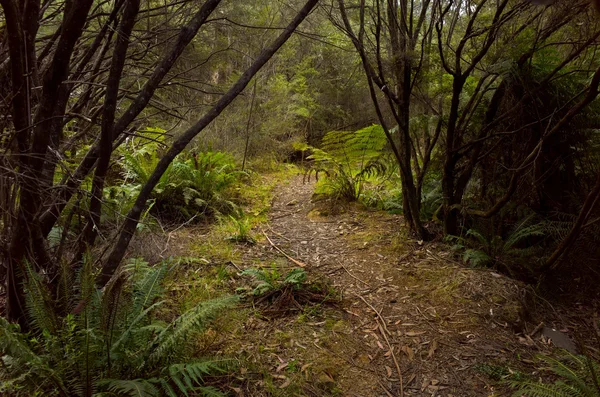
(478, 121)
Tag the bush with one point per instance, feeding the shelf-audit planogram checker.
(479, 249)
(195, 183)
(110, 343)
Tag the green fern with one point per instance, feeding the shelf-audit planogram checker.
(578, 377)
(272, 280)
(194, 183)
(195, 319)
(481, 250)
(111, 344)
(131, 388)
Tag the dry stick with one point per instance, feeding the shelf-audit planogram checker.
(536, 329)
(353, 276)
(283, 253)
(383, 330)
(393, 357)
(386, 390)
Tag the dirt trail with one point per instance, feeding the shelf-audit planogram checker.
(443, 324)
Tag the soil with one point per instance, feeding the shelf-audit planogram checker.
(411, 320)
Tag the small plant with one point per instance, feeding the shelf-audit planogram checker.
(577, 377)
(243, 227)
(285, 293)
(498, 372)
(271, 280)
(111, 342)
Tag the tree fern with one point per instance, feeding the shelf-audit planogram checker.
(350, 157)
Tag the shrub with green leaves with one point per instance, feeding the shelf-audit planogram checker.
(111, 342)
(349, 159)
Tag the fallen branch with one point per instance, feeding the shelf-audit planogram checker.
(297, 262)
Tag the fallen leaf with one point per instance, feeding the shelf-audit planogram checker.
(409, 352)
(415, 333)
(389, 371)
(282, 366)
(432, 349)
(285, 384)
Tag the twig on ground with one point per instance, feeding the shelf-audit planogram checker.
(353, 276)
(386, 390)
(384, 331)
(173, 231)
(393, 356)
(297, 262)
(236, 266)
(536, 329)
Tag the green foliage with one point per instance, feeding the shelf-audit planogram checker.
(577, 377)
(349, 159)
(242, 226)
(195, 183)
(498, 372)
(480, 250)
(112, 342)
(272, 280)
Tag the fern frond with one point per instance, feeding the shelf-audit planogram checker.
(12, 343)
(148, 288)
(132, 388)
(476, 258)
(295, 277)
(196, 318)
(523, 233)
(133, 326)
(38, 301)
(535, 389)
(478, 236)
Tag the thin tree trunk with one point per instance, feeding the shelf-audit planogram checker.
(248, 126)
(70, 184)
(110, 106)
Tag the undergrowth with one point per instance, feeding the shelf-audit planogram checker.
(280, 293)
(349, 158)
(578, 376)
(108, 342)
(195, 183)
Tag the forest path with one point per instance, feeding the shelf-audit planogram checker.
(436, 319)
